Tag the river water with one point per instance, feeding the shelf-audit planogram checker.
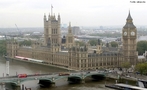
(18, 67)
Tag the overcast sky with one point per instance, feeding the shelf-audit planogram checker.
(29, 13)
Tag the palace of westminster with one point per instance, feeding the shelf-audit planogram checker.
(64, 52)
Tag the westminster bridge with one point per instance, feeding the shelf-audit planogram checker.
(75, 77)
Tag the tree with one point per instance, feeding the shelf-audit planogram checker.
(2, 47)
(25, 42)
(126, 65)
(114, 44)
(81, 43)
(93, 42)
(141, 47)
(142, 68)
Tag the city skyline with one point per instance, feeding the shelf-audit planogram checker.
(26, 13)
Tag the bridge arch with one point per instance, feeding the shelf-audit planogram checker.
(95, 76)
(74, 79)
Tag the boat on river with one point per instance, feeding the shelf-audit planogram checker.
(122, 86)
(142, 83)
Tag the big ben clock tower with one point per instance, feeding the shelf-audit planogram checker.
(129, 36)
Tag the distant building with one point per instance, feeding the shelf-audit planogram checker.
(62, 51)
(76, 30)
(101, 27)
(142, 38)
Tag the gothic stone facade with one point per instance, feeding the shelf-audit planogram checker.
(64, 52)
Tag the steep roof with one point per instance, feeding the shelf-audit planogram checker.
(129, 17)
(129, 23)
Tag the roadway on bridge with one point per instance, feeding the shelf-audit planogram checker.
(43, 76)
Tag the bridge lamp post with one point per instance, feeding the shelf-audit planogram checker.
(68, 70)
(7, 66)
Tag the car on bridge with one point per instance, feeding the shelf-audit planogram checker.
(22, 75)
(64, 74)
(20, 57)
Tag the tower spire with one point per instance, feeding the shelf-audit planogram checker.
(69, 24)
(49, 15)
(58, 16)
(129, 22)
(69, 28)
(51, 10)
(44, 17)
(129, 16)
(99, 42)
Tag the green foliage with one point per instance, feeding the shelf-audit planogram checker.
(142, 68)
(93, 42)
(114, 44)
(125, 65)
(25, 42)
(2, 47)
(81, 43)
(141, 47)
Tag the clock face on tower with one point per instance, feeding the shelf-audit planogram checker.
(125, 33)
(132, 33)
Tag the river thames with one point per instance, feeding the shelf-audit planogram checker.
(18, 67)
